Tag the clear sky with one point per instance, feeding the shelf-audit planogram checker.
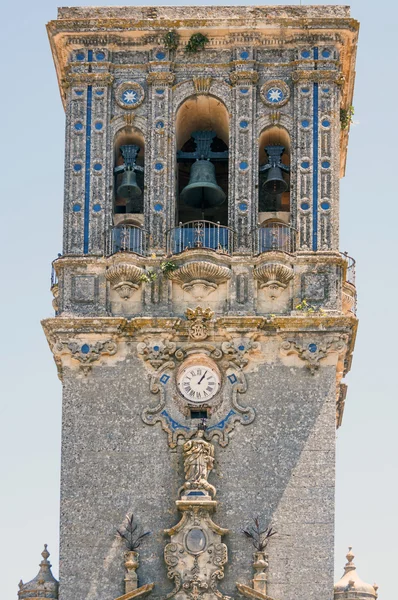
(32, 155)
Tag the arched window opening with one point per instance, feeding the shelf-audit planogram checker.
(129, 172)
(274, 178)
(202, 132)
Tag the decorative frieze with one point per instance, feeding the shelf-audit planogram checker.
(84, 353)
(312, 352)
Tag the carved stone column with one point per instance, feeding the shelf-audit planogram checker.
(159, 173)
(242, 160)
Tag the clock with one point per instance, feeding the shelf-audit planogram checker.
(198, 380)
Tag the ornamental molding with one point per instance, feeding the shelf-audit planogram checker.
(244, 77)
(200, 278)
(84, 353)
(163, 357)
(76, 79)
(340, 403)
(202, 84)
(124, 278)
(336, 77)
(160, 78)
(312, 352)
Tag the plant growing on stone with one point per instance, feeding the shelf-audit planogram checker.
(305, 306)
(171, 40)
(168, 266)
(196, 42)
(259, 537)
(148, 276)
(132, 534)
(346, 115)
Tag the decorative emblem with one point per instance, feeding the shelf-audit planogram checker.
(129, 94)
(275, 93)
(198, 329)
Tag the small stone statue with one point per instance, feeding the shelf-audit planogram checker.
(198, 462)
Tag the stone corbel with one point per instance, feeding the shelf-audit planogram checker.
(312, 353)
(273, 276)
(85, 353)
(200, 278)
(124, 279)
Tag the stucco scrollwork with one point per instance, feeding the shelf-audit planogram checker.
(85, 353)
(313, 352)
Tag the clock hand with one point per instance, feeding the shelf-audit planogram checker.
(201, 379)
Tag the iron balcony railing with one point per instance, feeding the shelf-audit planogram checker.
(275, 236)
(350, 268)
(200, 234)
(127, 238)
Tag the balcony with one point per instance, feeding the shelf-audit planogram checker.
(349, 269)
(274, 236)
(127, 238)
(200, 234)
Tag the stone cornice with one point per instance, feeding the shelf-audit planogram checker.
(72, 79)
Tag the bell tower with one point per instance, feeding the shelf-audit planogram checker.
(204, 314)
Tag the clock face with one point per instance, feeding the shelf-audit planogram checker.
(198, 383)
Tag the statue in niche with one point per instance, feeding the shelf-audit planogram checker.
(198, 462)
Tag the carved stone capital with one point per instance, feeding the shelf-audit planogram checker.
(160, 78)
(318, 76)
(244, 77)
(74, 79)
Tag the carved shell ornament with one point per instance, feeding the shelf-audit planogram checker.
(273, 275)
(200, 278)
(124, 279)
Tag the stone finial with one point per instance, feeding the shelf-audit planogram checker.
(350, 585)
(44, 585)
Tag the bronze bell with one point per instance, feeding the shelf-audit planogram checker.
(129, 188)
(202, 190)
(274, 183)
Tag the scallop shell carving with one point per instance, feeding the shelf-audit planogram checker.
(273, 274)
(200, 270)
(200, 278)
(124, 278)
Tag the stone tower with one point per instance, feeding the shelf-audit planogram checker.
(204, 314)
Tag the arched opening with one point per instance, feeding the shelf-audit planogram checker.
(274, 178)
(129, 161)
(202, 135)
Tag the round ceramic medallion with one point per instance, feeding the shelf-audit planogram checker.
(129, 94)
(275, 93)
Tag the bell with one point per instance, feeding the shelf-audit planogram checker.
(202, 190)
(129, 187)
(274, 184)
